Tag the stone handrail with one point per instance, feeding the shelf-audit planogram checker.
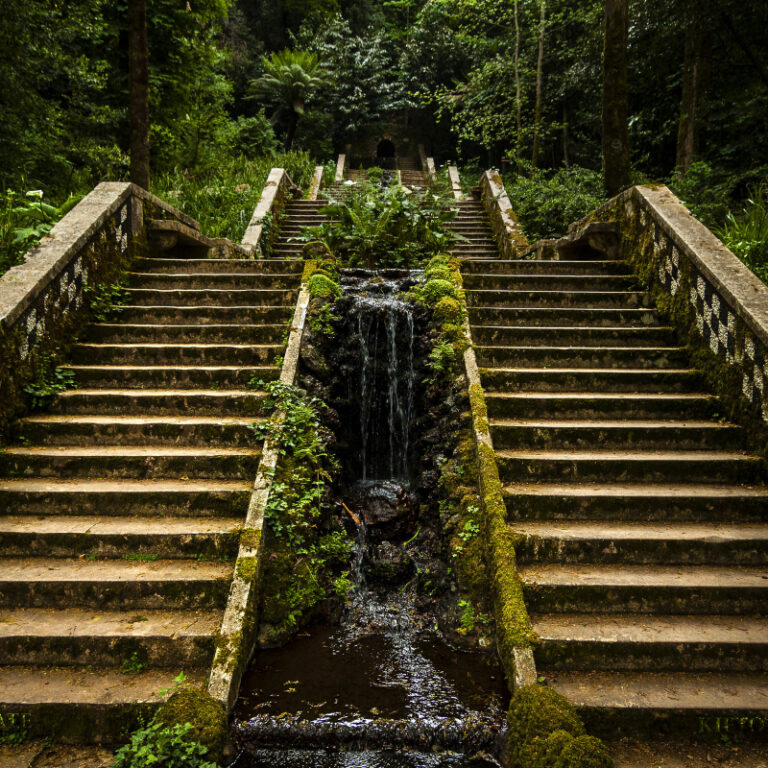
(453, 176)
(45, 301)
(714, 300)
(277, 189)
(340, 163)
(317, 182)
(509, 234)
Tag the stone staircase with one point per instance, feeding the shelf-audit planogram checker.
(297, 215)
(411, 173)
(642, 521)
(120, 508)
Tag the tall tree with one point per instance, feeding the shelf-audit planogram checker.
(539, 83)
(616, 167)
(518, 90)
(138, 73)
(694, 73)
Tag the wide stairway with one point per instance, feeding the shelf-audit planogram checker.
(123, 501)
(297, 215)
(411, 173)
(643, 543)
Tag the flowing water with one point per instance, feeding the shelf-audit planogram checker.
(381, 689)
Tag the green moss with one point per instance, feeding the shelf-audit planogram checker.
(448, 310)
(439, 272)
(321, 286)
(584, 752)
(250, 537)
(247, 568)
(205, 714)
(434, 290)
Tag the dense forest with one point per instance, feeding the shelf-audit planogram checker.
(236, 87)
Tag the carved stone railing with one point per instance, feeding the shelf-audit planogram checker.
(509, 234)
(266, 216)
(45, 302)
(715, 301)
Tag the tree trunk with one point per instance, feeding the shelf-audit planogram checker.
(292, 125)
(616, 168)
(539, 84)
(138, 74)
(690, 102)
(518, 96)
(566, 153)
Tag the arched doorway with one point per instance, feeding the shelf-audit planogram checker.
(385, 154)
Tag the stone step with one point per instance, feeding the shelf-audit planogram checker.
(211, 281)
(113, 584)
(147, 354)
(472, 270)
(204, 498)
(587, 336)
(165, 377)
(163, 333)
(171, 315)
(556, 317)
(617, 642)
(562, 282)
(585, 379)
(684, 704)
(158, 402)
(50, 429)
(635, 543)
(581, 357)
(580, 434)
(679, 501)
(503, 282)
(475, 251)
(211, 297)
(86, 536)
(593, 405)
(131, 462)
(186, 266)
(628, 466)
(645, 589)
(482, 302)
(79, 637)
(85, 706)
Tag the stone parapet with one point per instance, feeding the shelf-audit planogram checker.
(509, 233)
(266, 216)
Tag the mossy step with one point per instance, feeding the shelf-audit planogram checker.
(484, 303)
(82, 637)
(281, 313)
(596, 405)
(618, 642)
(589, 433)
(597, 379)
(568, 317)
(212, 281)
(588, 336)
(131, 462)
(679, 501)
(685, 704)
(255, 266)
(582, 357)
(53, 429)
(126, 497)
(164, 354)
(645, 589)
(164, 333)
(565, 282)
(628, 466)
(82, 706)
(57, 535)
(171, 377)
(220, 297)
(478, 270)
(113, 584)
(636, 543)
(159, 402)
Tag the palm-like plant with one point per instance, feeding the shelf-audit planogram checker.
(289, 81)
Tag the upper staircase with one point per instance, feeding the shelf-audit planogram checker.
(121, 505)
(640, 517)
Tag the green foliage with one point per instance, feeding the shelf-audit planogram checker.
(547, 202)
(746, 234)
(196, 707)
(384, 226)
(106, 299)
(49, 382)
(321, 286)
(24, 220)
(133, 664)
(165, 747)
(223, 198)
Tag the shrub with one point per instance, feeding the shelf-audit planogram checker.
(166, 747)
(746, 234)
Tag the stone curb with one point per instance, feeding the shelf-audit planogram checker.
(509, 233)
